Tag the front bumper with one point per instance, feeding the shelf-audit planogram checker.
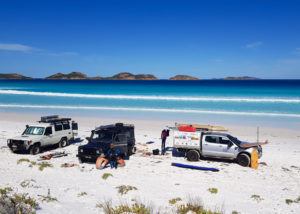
(88, 157)
(17, 145)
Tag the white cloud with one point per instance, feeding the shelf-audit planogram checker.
(291, 61)
(218, 60)
(28, 49)
(254, 45)
(62, 54)
(16, 47)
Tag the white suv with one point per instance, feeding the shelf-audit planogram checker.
(50, 130)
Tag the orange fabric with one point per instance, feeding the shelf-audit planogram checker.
(101, 162)
(254, 159)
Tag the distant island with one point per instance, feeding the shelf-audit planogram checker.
(76, 75)
(72, 76)
(130, 76)
(13, 76)
(183, 77)
(119, 76)
(240, 78)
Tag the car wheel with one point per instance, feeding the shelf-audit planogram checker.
(243, 160)
(192, 155)
(131, 150)
(35, 149)
(63, 143)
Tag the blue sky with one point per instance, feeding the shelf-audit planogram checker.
(207, 39)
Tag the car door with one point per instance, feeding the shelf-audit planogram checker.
(210, 146)
(58, 134)
(48, 136)
(229, 149)
(67, 130)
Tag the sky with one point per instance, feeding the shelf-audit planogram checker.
(206, 39)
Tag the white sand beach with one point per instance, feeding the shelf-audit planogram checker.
(78, 189)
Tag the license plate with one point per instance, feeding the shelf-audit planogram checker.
(87, 157)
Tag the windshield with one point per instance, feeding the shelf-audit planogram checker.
(234, 140)
(32, 130)
(102, 136)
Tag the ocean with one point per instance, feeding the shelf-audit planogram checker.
(208, 100)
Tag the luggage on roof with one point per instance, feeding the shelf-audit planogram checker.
(200, 127)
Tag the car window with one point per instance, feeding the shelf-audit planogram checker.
(58, 127)
(48, 131)
(103, 135)
(127, 134)
(120, 138)
(224, 140)
(211, 139)
(74, 126)
(66, 126)
(234, 139)
(32, 130)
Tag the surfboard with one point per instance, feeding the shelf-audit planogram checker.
(195, 167)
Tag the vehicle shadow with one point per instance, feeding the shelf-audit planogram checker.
(76, 140)
(176, 153)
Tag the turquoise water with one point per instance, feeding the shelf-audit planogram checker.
(273, 99)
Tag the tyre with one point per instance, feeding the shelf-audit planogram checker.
(63, 143)
(131, 150)
(35, 149)
(244, 160)
(193, 155)
(81, 160)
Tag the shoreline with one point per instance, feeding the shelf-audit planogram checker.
(169, 118)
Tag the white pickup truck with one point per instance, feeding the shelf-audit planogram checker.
(214, 145)
(50, 130)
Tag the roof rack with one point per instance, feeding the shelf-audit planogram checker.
(53, 119)
(115, 125)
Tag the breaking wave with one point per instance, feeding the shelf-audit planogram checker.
(153, 97)
(151, 110)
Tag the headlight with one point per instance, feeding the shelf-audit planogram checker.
(97, 152)
(81, 150)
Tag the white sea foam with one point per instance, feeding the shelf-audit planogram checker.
(269, 114)
(152, 97)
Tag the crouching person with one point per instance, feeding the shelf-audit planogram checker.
(115, 157)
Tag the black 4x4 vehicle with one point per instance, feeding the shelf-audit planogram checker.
(119, 134)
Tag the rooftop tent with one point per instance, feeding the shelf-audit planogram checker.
(53, 119)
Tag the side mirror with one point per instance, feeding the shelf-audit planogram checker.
(230, 144)
(88, 139)
(27, 126)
